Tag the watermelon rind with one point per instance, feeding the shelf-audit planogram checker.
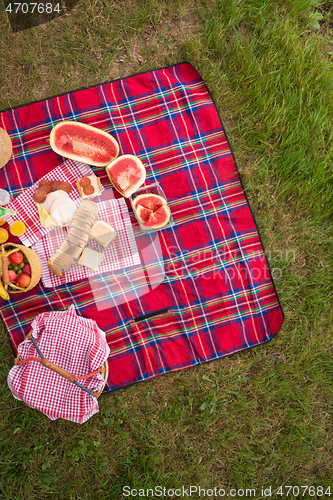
(149, 200)
(85, 149)
(134, 167)
(159, 218)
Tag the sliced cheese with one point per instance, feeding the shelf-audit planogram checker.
(95, 182)
(91, 258)
(57, 210)
(45, 218)
(103, 233)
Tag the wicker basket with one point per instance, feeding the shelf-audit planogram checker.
(33, 260)
(105, 374)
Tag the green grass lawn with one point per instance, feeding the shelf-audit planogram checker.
(258, 419)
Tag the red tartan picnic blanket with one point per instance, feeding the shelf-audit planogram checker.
(203, 289)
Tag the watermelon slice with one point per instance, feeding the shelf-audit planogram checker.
(81, 142)
(159, 218)
(127, 173)
(152, 210)
(143, 213)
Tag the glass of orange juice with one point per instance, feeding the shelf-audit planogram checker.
(17, 228)
(3, 235)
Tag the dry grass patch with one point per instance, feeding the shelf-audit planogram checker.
(95, 42)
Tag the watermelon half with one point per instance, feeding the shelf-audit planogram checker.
(127, 173)
(152, 210)
(81, 142)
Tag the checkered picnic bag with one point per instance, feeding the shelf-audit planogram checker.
(61, 367)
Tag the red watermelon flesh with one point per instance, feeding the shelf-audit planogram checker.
(143, 213)
(159, 218)
(150, 201)
(127, 173)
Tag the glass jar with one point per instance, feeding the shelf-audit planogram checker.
(4, 200)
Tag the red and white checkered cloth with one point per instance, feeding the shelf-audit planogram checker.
(70, 342)
(26, 209)
(120, 254)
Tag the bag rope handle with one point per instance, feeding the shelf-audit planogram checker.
(57, 369)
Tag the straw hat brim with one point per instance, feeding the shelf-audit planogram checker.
(6, 148)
